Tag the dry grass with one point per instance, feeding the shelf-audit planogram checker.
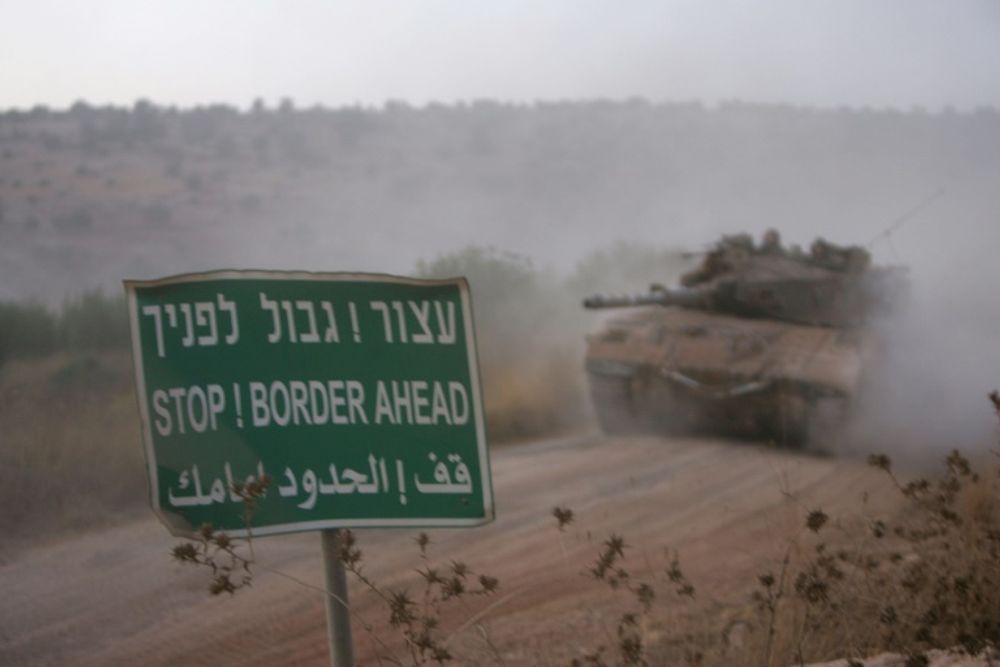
(70, 456)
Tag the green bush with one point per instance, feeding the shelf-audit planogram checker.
(531, 379)
(26, 330)
(93, 321)
(89, 322)
(502, 283)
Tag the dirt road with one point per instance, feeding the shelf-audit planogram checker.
(115, 597)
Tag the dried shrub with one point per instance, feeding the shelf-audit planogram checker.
(925, 578)
(631, 645)
(221, 554)
(419, 618)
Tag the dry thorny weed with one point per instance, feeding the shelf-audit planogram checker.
(218, 552)
(609, 567)
(564, 517)
(419, 618)
(927, 577)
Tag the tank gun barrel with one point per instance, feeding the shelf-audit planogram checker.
(690, 298)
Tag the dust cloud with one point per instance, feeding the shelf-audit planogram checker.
(927, 390)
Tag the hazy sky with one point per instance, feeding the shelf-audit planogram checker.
(877, 53)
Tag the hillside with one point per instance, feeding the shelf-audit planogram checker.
(90, 195)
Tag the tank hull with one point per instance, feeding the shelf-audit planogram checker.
(677, 370)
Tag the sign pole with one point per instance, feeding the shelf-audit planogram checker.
(338, 615)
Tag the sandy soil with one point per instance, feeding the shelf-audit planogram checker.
(115, 597)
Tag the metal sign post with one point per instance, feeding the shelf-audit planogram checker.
(338, 612)
(357, 394)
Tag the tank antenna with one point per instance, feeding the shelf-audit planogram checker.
(905, 217)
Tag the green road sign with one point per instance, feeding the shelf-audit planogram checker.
(358, 394)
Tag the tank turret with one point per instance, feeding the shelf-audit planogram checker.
(832, 286)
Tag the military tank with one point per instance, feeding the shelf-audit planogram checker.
(758, 341)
